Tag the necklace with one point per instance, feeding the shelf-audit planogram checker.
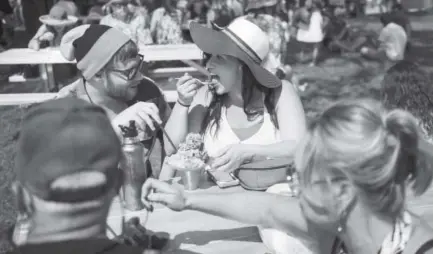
(87, 93)
(394, 243)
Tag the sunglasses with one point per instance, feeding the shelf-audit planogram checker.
(131, 73)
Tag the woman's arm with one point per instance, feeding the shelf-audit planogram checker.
(292, 125)
(210, 16)
(156, 16)
(142, 33)
(41, 31)
(177, 129)
(342, 33)
(184, 119)
(255, 208)
(181, 122)
(249, 207)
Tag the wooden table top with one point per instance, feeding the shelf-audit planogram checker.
(30, 56)
(53, 55)
(12, 99)
(196, 232)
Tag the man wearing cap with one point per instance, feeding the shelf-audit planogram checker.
(110, 68)
(67, 176)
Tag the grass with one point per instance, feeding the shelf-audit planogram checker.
(335, 78)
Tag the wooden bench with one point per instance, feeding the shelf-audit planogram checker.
(16, 99)
(45, 58)
(154, 74)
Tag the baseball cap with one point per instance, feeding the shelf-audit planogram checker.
(67, 151)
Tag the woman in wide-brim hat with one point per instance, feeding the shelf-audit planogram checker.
(246, 113)
(59, 16)
(54, 25)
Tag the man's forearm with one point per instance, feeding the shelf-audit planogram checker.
(245, 207)
(253, 208)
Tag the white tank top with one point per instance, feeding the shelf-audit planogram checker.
(267, 134)
(314, 33)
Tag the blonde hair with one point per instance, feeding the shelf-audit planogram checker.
(376, 150)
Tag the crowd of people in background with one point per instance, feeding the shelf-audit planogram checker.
(315, 25)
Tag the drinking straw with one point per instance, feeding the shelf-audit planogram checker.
(168, 137)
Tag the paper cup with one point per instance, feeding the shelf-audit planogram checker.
(191, 177)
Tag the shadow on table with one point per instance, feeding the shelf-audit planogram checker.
(182, 252)
(200, 238)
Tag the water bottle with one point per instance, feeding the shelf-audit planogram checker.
(133, 168)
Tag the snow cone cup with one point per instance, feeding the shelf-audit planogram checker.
(191, 176)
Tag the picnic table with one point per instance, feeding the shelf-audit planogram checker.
(15, 99)
(47, 57)
(195, 232)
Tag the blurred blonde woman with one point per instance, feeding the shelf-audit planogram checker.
(354, 164)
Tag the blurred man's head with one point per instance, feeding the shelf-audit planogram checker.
(66, 165)
(106, 57)
(385, 19)
(120, 9)
(408, 87)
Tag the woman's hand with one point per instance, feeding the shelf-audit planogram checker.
(34, 44)
(48, 36)
(231, 158)
(155, 191)
(187, 88)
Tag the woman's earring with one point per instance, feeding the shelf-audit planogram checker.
(340, 222)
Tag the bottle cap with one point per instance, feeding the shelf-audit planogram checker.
(129, 131)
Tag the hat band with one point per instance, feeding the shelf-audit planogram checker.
(245, 47)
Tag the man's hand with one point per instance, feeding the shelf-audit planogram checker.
(48, 36)
(134, 234)
(66, 91)
(143, 113)
(163, 193)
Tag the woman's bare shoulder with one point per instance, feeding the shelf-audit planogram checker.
(286, 92)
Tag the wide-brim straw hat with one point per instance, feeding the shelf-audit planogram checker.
(58, 17)
(243, 40)
(257, 4)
